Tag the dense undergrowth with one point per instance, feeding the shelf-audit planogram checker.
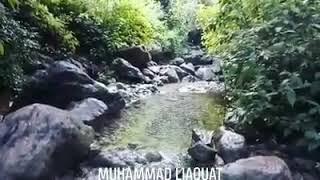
(272, 64)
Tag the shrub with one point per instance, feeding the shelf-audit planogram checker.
(20, 46)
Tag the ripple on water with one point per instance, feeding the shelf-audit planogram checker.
(164, 121)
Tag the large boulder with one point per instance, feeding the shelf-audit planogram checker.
(137, 56)
(62, 83)
(181, 73)
(207, 73)
(194, 56)
(171, 73)
(128, 72)
(147, 72)
(204, 136)
(257, 168)
(231, 146)
(91, 111)
(202, 153)
(177, 61)
(188, 67)
(39, 141)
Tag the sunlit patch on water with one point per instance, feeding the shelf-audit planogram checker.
(164, 121)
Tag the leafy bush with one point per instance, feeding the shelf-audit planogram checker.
(180, 19)
(272, 68)
(222, 19)
(128, 22)
(20, 46)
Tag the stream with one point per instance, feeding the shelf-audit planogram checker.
(163, 122)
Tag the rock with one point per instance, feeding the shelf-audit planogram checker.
(206, 73)
(257, 168)
(231, 146)
(151, 63)
(204, 136)
(128, 72)
(307, 176)
(304, 164)
(189, 78)
(177, 61)
(188, 67)
(297, 176)
(160, 56)
(137, 56)
(194, 56)
(90, 111)
(163, 79)
(171, 73)
(147, 72)
(117, 158)
(133, 93)
(155, 69)
(153, 157)
(206, 60)
(62, 83)
(202, 153)
(218, 161)
(40, 141)
(181, 73)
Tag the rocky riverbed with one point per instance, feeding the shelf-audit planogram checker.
(65, 124)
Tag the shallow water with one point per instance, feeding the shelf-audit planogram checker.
(163, 121)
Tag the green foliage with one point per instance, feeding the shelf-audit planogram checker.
(221, 20)
(20, 46)
(272, 67)
(180, 19)
(52, 24)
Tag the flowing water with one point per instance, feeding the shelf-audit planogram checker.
(164, 121)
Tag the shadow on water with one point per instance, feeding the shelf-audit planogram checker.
(164, 121)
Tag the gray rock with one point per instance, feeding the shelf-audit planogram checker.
(205, 60)
(304, 164)
(181, 73)
(218, 161)
(231, 146)
(151, 63)
(90, 111)
(133, 93)
(189, 78)
(46, 86)
(147, 72)
(138, 56)
(128, 72)
(204, 136)
(40, 141)
(194, 56)
(206, 73)
(153, 157)
(202, 153)
(155, 69)
(188, 67)
(257, 168)
(177, 61)
(172, 76)
(171, 73)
